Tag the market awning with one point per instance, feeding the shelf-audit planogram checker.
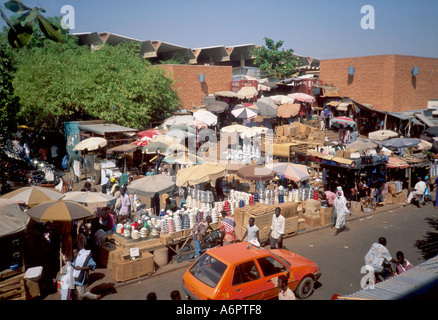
(396, 163)
(104, 128)
(343, 106)
(333, 103)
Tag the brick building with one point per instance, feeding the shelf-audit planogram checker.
(189, 86)
(384, 81)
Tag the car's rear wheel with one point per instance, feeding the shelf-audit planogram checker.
(305, 288)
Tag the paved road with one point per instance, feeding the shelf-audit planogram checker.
(340, 258)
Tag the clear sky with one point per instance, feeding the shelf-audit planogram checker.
(323, 29)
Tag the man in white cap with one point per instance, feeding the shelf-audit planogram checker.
(341, 210)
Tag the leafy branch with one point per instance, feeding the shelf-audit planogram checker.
(20, 33)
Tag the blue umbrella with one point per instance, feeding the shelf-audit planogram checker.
(401, 143)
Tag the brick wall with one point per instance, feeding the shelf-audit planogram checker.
(384, 81)
(190, 90)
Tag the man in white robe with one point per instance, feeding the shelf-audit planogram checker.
(341, 211)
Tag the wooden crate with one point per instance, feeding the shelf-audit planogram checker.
(288, 209)
(325, 215)
(133, 269)
(291, 225)
(13, 288)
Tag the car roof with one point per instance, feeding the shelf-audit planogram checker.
(236, 252)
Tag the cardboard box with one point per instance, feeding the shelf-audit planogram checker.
(291, 225)
(312, 221)
(325, 215)
(312, 207)
(290, 131)
(340, 153)
(280, 131)
(400, 197)
(392, 188)
(348, 153)
(388, 198)
(355, 206)
(132, 269)
(288, 209)
(301, 224)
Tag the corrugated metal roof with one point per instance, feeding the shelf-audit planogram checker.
(401, 286)
(104, 128)
(400, 116)
(425, 119)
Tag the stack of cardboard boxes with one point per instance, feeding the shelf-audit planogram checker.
(394, 196)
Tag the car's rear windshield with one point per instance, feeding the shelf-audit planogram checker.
(208, 270)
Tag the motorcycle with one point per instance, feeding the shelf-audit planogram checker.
(422, 199)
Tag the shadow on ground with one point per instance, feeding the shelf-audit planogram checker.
(429, 245)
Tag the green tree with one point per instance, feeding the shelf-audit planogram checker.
(58, 83)
(8, 102)
(273, 62)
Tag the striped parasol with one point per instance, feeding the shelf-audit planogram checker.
(59, 210)
(344, 120)
(241, 111)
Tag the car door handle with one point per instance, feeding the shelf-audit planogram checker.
(238, 290)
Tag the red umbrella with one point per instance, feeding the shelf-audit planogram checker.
(149, 134)
(141, 142)
(146, 137)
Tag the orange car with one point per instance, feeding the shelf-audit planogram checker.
(242, 271)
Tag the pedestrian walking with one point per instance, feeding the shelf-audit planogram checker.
(81, 279)
(276, 233)
(340, 210)
(252, 232)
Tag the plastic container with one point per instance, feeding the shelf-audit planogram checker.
(34, 273)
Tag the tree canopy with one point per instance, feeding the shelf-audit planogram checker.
(47, 78)
(8, 102)
(273, 62)
(58, 83)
